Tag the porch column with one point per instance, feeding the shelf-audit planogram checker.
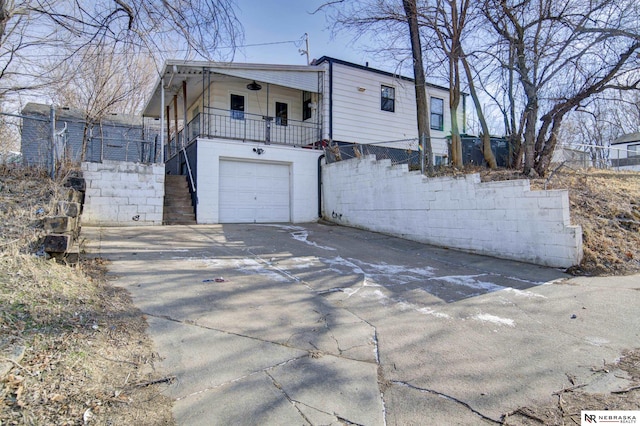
(168, 129)
(162, 118)
(184, 108)
(175, 116)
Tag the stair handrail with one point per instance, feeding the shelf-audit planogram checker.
(186, 159)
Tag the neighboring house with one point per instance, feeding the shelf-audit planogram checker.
(117, 137)
(250, 136)
(625, 152)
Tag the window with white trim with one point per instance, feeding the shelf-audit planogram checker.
(437, 114)
(237, 107)
(388, 98)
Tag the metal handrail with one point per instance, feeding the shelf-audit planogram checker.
(186, 159)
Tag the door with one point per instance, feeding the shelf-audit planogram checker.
(254, 192)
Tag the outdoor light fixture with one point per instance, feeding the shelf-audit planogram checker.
(254, 86)
(258, 151)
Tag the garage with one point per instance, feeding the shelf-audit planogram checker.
(254, 192)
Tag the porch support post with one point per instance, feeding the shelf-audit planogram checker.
(168, 129)
(175, 116)
(184, 110)
(162, 118)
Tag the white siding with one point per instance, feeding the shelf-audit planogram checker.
(302, 80)
(255, 101)
(357, 116)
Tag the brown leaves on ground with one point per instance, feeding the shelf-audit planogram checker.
(73, 349)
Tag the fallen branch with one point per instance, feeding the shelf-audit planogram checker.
(17, 364)
(119, 360)
(167, 379)
(627, 389)
(569, 389)
(523, 411)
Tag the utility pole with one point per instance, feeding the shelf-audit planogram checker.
(305, 51)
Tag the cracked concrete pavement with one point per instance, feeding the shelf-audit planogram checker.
(316, 324)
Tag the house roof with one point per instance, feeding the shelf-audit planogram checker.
(329, 59)
(78, 115)
(629, 137)
(197, 73)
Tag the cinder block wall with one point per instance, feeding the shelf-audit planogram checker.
(503, 219)
(123, 194)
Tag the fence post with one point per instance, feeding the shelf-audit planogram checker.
(52, 119)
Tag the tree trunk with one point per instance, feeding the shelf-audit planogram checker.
(454, 102)
(422, 107)
(486, 137)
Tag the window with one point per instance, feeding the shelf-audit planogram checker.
(237, 107)
(281, 114)
(306, 105)
(388, 99)
(437, 114)
(633, 150)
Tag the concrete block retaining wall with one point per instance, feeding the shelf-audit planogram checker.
(123, 194)
(503, 219)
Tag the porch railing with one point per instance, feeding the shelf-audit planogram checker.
(219, 123)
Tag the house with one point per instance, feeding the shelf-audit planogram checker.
(249, 137)
(625, 152)
(117, 137)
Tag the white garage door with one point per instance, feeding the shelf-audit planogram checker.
(254, 192)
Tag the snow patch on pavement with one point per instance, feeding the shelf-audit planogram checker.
(495, 320)
(247, 266)
(471, 281)
(300, 234)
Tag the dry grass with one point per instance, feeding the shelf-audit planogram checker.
(75, 347)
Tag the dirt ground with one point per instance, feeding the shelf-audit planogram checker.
(74, 349)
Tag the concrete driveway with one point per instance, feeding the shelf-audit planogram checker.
(316, 324)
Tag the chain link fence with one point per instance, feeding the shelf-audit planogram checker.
(49, 138)
(404, 151)
(408, 152)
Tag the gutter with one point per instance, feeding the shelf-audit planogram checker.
(330, 100)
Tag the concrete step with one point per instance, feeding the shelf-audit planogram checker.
(178, 208)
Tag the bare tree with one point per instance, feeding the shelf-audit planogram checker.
(101, 80)
(450, 22)
(562, 54)
(32, 30)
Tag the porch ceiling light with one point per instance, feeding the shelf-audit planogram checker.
(254, 86)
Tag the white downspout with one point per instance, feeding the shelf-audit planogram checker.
(162, 120)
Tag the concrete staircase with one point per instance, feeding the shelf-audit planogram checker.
(178, 209)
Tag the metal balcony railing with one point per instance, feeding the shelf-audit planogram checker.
(229, 124)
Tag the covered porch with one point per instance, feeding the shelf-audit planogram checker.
(269, 104)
